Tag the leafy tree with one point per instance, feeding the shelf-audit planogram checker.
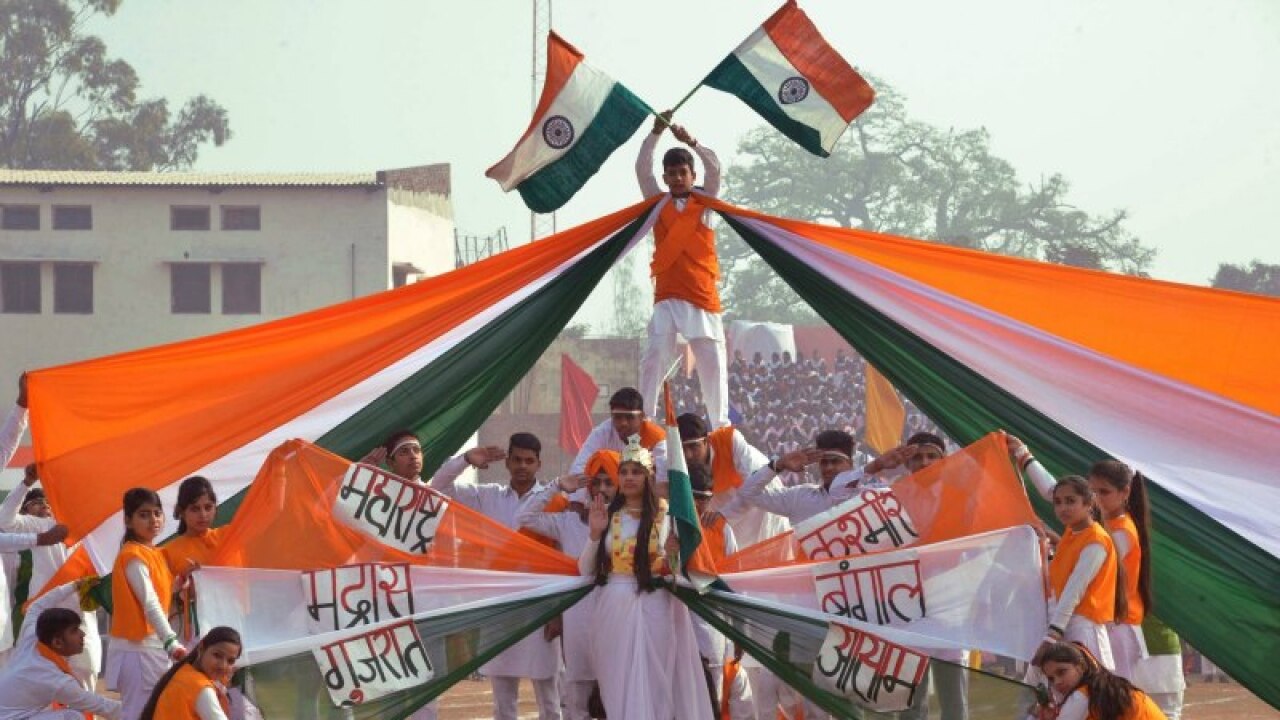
(1259, 277)
(65, 104)
(893, 174)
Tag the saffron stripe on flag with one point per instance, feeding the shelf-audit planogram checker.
(733, 77)
(798, 39)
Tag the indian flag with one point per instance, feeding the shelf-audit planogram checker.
(696, 561)
(582, 116)
(789, 74)
(436, 356)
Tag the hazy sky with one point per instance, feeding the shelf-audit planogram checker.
(1163, 108)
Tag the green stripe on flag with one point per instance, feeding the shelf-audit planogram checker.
(551, 187)
(733, 77)
(1213, 586)
(680, 497)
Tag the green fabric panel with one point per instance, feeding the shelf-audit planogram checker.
(1213, 586)
(457, 645)
(787, 645)
(548, 189)
(733, 77)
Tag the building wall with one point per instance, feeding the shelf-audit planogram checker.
(316, 246)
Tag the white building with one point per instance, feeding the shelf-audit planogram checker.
(94, 263)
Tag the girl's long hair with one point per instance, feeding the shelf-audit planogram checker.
(220, 634)
(1110, 696)
(191, 490)
(642, 561)
(1119, 476)
(134, 499)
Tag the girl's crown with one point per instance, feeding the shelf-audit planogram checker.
(635, 453)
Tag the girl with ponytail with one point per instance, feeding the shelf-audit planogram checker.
(1122, 502)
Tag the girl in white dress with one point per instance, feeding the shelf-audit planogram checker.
(642, 643)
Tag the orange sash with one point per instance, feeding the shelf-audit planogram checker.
(178, 699)
(1143, 708)
(61, 663)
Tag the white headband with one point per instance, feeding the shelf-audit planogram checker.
(407, 441)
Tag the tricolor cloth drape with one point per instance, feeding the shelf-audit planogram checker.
(1177, 381)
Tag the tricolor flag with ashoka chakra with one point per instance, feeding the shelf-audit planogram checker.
(582, 116)
(789, 74)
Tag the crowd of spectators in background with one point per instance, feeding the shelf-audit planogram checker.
(780, 403)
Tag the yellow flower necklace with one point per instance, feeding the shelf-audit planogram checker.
(624, 551)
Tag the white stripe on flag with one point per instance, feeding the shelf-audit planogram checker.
(771, 68)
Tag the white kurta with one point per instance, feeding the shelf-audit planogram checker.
(751, 524)
(15, 424)
(10, 542)
(604, 437)
(801, 502)
(532, 657)
(30, 682)
(45, 561)
(643, 647)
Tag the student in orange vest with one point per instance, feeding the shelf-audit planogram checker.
(196, 688)
(731, 461)
(1087, 691)
(1122, 502)
(1082, 574)
(685, 272)
(626, 418)
(197, 541)
(142, 644)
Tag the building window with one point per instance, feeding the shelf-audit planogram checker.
(241, 217)
(73, 288)
(20, 217)
(72, 217)
(190, 288)
(189, 217)
(20, 287)
(241, 289)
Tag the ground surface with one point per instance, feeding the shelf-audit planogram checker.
(470, 700)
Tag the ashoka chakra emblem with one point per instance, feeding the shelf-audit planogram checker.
(557, 131)
(793, 90)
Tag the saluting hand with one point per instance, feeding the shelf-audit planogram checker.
(480, 457)
(376, 456)
(896, 457)
(597, 517)
(798, 460)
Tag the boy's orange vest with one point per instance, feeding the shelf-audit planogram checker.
(724, 473)
(713, 539)
(1099, 601)
(178, 699)
(127, 618)
(684, 257)
(1132, 564)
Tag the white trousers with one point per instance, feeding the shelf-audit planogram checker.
(742, 704)
(134, 673)
(506, 697)
(577, 699)
(1128, 648)
(713, 374)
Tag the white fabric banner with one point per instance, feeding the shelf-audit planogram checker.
(271, 610)
(389, 509)
(868, 669)
(870, 521)
(983, 591)
(370, 664)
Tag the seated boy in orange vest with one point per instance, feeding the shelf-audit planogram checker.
(685, 272)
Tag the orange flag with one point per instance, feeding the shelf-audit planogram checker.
(885, 413)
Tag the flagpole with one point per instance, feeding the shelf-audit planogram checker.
(680, 104)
